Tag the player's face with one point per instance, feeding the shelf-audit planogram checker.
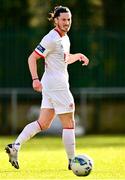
(63, 22)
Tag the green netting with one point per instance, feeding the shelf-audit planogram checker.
(104, 49)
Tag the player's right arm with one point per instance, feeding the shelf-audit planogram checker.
(41, 50)
(32, 63)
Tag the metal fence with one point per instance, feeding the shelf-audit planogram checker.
(101, 110)
(99, 89)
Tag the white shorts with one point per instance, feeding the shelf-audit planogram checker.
(60, 100)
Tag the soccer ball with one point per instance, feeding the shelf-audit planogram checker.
(81, 165)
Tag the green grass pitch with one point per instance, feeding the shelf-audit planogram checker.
(44, 158)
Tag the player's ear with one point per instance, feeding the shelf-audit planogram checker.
(55, 21)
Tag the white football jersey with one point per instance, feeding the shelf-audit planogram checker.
(54, 48)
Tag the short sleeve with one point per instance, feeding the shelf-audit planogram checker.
(45, 46)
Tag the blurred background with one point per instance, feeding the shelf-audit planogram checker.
(98, 31)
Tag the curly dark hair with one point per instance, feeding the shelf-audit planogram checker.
(57, 11)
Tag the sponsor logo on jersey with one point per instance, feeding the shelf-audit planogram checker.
(40, 48)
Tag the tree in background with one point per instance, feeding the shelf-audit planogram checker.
(96, 24)
(14, 13)
(87, 13)
(114, 15)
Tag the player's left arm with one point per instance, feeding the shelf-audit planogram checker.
(71, 58)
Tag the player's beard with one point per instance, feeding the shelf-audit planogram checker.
(64, 28)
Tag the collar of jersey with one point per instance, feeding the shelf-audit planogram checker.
(58, 32)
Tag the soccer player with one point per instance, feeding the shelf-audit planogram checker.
(54, 85)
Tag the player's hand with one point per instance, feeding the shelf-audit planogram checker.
(84, 59)
(37, 86)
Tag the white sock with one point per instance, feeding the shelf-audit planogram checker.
(27, 133)
(68, 137)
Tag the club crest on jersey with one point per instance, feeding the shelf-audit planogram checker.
(40, 48)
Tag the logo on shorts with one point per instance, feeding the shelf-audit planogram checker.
(40, 48)
(71, 105)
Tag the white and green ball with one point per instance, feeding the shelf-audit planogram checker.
(82, 165)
